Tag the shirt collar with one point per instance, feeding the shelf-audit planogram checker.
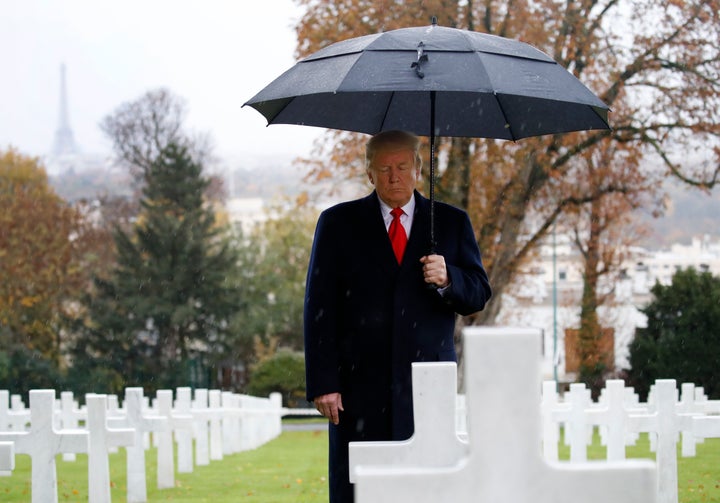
(409, 208)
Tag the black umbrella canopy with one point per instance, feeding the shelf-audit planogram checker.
(481, 86)
(432, 81)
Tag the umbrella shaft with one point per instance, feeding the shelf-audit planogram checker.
(432, 172)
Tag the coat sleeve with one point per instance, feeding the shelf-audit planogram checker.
(320, 312)
(469, 285)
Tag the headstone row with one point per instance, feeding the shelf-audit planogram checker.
(499, 442)
(620, 417)
(215, 423)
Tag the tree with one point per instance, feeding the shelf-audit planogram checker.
(681, 340)
(608, 187)
(273, 261)
(660, 79)
(169, 298)
(144, 128)
(41, 260)
(23, 369)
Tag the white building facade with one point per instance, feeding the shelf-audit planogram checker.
(537, 301)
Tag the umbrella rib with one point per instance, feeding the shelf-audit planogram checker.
(387, 111)
(502, 111)
(601, 116)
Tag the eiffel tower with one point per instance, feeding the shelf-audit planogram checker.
(64, 141)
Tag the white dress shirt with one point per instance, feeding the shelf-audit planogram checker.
(406, 219)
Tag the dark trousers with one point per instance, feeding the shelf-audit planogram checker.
(341, 490)
(368, 427)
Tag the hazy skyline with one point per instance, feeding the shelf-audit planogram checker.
(216, 55)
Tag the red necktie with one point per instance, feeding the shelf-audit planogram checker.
(397, 234)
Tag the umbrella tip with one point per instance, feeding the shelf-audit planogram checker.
(433, 21)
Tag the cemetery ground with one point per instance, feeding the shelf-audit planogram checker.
(293, 468)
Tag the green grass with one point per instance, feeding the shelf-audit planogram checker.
(289, 469)
(293, 469)
(698, 477)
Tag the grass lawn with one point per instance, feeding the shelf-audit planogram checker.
(289, 469)
(293, 469)
(698, 477)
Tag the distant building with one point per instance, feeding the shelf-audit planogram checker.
(65, 155)
(246, 212)
(530, 301)
(64, 139)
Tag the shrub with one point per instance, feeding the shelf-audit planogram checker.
(283, 372)
(681, 340)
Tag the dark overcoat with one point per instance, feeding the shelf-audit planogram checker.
(367, 318)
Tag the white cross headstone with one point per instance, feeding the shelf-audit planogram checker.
(141, 423)
(13, 417)
(70, 416)
(201, 415)
(232, 440)
(701, 402)
(666, 423)
(7, 458)
(207, 415)
(707, 406)
(551, 407)
(114, 413)
(505, 462)
(42, 443)
(274, 422)
(687, 406)
(165, 450)
(461, 416)
(216, 429)
(706, 426)
(165, 454)
(101, 439)
(578, 432)
(613, 417)
(4, 410)
(184, 437)
(434, 442)
(257, 417)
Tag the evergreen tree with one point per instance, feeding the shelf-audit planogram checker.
(681, 340)
(169, 300)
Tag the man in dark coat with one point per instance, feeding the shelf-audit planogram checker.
(372, 310)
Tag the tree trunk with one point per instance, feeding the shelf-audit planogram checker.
(592, 368)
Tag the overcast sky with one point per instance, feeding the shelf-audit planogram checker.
(216, 54)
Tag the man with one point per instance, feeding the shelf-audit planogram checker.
(377, 300)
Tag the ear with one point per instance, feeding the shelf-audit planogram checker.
(370, 177)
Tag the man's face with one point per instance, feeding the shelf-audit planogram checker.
(394, 175)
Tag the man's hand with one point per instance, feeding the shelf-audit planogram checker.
(435, 270)
(329, 406)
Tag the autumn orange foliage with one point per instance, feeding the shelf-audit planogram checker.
(38, 263)
(655, 63)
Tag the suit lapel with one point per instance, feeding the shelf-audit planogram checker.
(418, 244)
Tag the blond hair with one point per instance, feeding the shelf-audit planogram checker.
(392, 140)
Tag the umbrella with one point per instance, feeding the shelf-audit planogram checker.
(432, 81)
